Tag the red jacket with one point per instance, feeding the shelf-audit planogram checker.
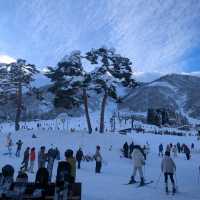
(32, 155)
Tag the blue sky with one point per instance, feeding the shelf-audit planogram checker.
(160, 36)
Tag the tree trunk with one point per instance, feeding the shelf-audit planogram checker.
(103, 106)
(19, 106)
(85, 99)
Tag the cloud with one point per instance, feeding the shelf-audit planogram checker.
(6, 59)
(157, 35)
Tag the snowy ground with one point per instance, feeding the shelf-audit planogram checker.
(116, 171)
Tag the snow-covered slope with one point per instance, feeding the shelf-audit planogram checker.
(176, 92)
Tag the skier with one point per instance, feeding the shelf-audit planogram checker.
(72, 161)
(160, 148)
(138, 157)
(19, 146)
(79, 157)
(41, 157)
(98, 159)
(25, 160)
(32, 160)
(168, 167)
(51, 158)
(125, 149)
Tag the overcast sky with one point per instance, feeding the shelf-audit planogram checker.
(160, 36)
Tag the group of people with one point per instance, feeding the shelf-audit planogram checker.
(175, 149)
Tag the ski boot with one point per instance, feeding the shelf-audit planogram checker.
(173, 190)
(132, 181)
(142, 182)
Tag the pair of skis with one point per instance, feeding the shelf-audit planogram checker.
(140, 185)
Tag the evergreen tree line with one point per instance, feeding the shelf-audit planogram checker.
(71, 83)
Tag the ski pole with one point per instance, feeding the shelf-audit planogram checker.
(176, 182)
(158, 180)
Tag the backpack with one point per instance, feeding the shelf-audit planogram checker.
(63, 173)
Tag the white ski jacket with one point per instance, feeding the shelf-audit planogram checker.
(138, 158)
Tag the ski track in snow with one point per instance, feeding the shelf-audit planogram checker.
(116, 171)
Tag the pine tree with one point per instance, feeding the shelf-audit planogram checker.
(16, 76)
(70, 84)
(111, 71)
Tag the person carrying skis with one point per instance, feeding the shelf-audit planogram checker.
(41, 157)
(19, 147)
(98, 159)
(168, 167)
(25, 160)
(160, 150)
(138, 157)
(32, 160)
(79, 157)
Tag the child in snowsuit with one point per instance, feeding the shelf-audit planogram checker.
(168, 167)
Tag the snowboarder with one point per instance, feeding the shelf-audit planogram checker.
(41, 157)
(160, 149)
(98, 159)
(125, 149)
(79, 157)
(72, 161)
(168, 167)
(19, 146)
(32, 160)
(138, 157)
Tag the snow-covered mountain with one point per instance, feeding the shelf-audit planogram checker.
(179, 93)
(176, 92)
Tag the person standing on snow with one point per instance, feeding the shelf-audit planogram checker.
(179, 147)
(51, 158)
(79, 157)
(98, 159)
(9, 144)
(174, 151)
(25, 160)
(41, 157)
(187, 152)
(19, 147)
(32, 159)
(168, 167)
(160, 150)
(138, 157)
(125, 149)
